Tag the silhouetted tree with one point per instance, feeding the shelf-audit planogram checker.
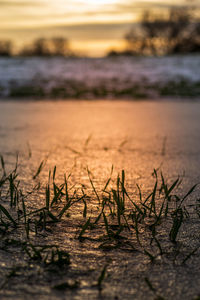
(177, 32)
(47, 47)
(5, 48)
(60, 46)
(39, 47)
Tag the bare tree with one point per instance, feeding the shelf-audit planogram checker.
(47, 47)
(5, 48)
(175, 32)
(40, 47)
(60, 46)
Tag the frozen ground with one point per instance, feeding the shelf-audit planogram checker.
(134, 136)
(104, 77)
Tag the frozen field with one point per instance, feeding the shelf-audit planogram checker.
(77, 135)
(122, 77)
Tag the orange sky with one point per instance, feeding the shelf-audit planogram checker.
(92, 26)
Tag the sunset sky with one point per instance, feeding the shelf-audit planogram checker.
(92, 26)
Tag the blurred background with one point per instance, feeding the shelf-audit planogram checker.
(93, 28)
(99, 49)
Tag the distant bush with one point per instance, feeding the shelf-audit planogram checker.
(114, 53)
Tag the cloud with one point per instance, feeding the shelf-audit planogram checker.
(147, 4)
(74, 18)
(80, 32)
(19, 4)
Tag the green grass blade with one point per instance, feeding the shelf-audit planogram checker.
(93, 187)
(84, 228)
(6, 213)
(102, 277)
(39, 169)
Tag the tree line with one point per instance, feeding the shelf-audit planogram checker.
(56, 46)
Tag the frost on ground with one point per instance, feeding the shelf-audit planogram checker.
(129, 77)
